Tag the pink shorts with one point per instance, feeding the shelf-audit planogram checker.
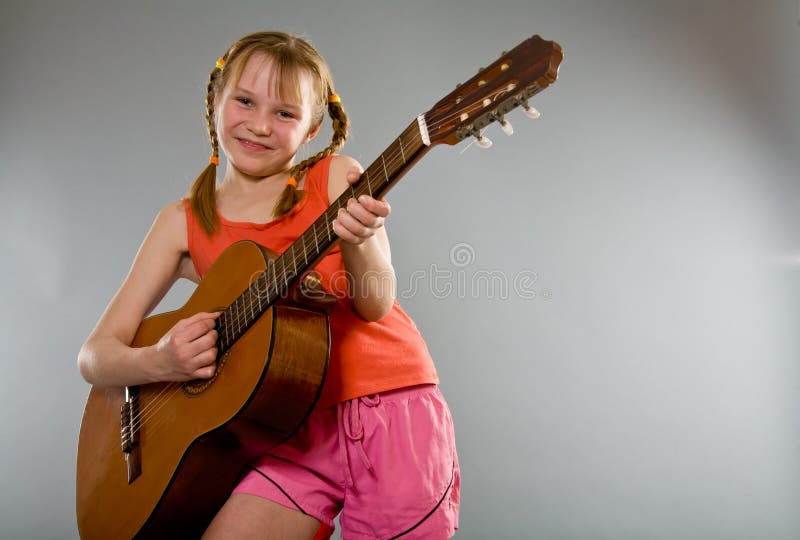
(387, 461)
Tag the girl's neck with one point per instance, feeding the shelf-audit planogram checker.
(237, 183)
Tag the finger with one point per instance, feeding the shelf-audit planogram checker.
(199, 322)
(363, 215)
(202, 344)
(206, 358)
(194, 331)
(205, 372)
(377, 207)
(344, 234)
(353, 224)
(353, 174)
(203, 315)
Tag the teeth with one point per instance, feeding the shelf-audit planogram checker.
(253, 144)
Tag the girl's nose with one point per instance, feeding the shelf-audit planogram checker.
(260, 125)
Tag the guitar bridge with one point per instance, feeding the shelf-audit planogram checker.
(129, 432)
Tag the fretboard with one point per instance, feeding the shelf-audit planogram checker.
(319, 238)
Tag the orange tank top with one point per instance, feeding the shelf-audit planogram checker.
(365, 357)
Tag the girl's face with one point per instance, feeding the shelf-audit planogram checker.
(258, 131)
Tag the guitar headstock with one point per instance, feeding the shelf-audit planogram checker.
(507, 83)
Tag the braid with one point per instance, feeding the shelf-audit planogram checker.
(341, 126)
(203, 192)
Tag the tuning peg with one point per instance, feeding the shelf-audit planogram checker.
(529, 111)
(480, 140)
(506, 126)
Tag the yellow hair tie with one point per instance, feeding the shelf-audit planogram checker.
(334, 98)
(220, 62)
(291, 182)
(214, 160)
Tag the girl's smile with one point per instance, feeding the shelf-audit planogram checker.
(253, 146)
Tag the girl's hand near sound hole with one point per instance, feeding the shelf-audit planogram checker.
(188, 350)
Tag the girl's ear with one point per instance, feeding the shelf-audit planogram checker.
(313, 132)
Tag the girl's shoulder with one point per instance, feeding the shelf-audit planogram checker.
(338, 169)
(170, 233)
(172, 217)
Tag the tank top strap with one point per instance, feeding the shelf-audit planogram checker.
(187, 206)
(317, 178)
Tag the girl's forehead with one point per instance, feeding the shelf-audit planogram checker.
(261, 74)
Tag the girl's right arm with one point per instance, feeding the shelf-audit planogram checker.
(187, 351)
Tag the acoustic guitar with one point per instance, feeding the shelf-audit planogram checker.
(159, 460)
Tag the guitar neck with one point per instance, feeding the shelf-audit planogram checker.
(486, 97)
(319, 238)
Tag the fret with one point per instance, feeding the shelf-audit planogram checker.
(242, 308)
(385, 172)
(274, 278)
(225, 326)
(240, 314)
(250, 303)
(235, 311)
(267, 287)
(369, 183)
(402, 154)
(305, 255)
(218, 324)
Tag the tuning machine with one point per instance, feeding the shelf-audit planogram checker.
(480, 140)
(505, 125)
(529, 111)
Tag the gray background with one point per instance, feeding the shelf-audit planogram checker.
(648, 389)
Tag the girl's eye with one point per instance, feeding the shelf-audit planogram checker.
(285, 114)
(244, 100)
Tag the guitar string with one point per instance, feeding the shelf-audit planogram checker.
(140, 415)
(152, 419)
(154, 405)
(137, 420)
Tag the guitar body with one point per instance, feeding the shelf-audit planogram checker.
(190, 436)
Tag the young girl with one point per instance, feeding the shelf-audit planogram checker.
(379, 447)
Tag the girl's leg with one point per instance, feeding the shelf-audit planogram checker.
(245, 517)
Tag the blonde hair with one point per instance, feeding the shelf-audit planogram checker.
(291, 57)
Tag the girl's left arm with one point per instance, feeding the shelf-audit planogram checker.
(364, 243)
